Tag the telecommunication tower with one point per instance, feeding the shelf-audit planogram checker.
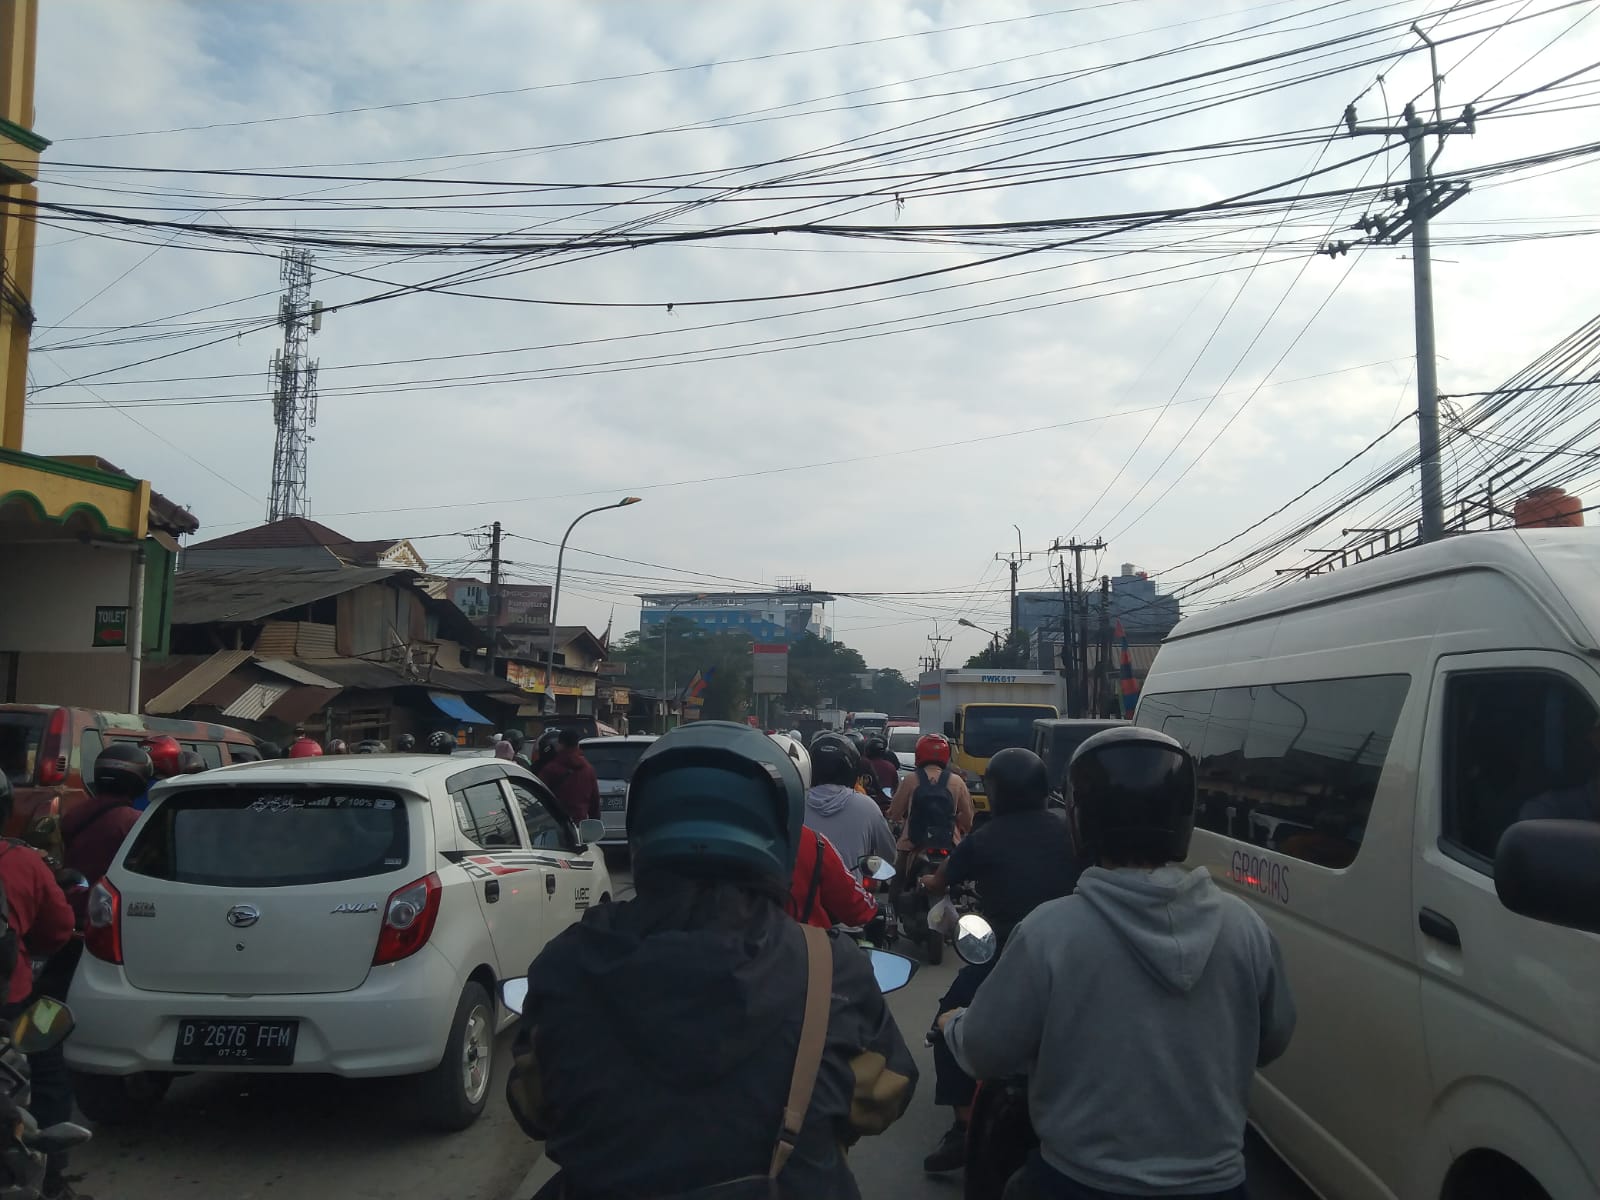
(294, 387)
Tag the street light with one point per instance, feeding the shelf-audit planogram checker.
(981, 629)
(555, 600)
(666, 705)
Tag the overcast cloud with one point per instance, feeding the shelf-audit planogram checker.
(399, 459)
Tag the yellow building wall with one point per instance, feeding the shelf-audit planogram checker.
(19, 166)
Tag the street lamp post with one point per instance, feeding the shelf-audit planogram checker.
(555, 601)
(666, 705)
(992, 634)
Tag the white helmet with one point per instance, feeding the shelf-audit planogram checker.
(795, 749)
(795, 734)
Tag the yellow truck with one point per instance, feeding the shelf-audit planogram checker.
(983, 711)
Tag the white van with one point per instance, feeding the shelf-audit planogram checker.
(1362, 740)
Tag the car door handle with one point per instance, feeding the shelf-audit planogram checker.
(491, 891)
(549, 885)
(1439, 927)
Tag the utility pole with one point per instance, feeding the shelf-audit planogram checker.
(1105, 644)
(935, 654)
(1015, 561)
(1423, 201)
(1080, 692)
(294, 387)
(494, 592)
(1066, 629)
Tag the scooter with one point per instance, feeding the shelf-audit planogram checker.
(914, 904)
(23, 1145)
(876, 873)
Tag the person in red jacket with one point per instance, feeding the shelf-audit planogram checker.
(42, 920)
(94, 830)
(572, 779)
(823, 891)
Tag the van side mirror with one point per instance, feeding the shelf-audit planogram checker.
(950, 729)
(1550, 871)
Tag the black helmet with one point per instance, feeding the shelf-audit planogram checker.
(549, 741)
(875, 747)
(123, 769)
(405, 743)
(512, 736)
(834, 759)
(441, 741)
(857, 738)
(190, 763)
(369, 746)
(1015, 781)
(1131, 797)
(716, 798)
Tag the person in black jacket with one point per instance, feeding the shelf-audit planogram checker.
(659, 1038)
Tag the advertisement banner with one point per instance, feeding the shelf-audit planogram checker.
(770, 676)
(520, 603)
(530, 678)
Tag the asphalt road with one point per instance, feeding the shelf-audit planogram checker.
(272, 1138)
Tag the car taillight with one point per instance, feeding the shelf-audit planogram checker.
(52, 752)
(102, 934)
(408, 920)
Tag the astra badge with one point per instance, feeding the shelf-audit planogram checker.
(242, 915)
(357, 906)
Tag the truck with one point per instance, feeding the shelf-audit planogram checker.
(983, 711)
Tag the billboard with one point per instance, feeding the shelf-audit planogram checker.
(520, 603)
(770, 674)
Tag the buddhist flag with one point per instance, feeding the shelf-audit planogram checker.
(1128, 684)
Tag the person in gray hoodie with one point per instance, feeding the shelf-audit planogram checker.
(849, 819)
(1141, 1005)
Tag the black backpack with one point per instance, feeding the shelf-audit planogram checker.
(932, 820)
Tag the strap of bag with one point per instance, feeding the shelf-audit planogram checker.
(813, 1036)
(816, 881)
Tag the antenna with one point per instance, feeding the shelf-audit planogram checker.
(294, 387)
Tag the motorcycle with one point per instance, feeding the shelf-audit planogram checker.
(1000, 1133)
(882, 932)
(913, 903)
(23, 1145)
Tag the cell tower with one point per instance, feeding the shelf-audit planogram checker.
(294, 387)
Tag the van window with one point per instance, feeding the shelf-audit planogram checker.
(1290, 767)
(264, 837)
(482, 814)
(20, 734)
(1518, 745)
(210, 753)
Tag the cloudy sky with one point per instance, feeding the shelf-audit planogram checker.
(872, 413)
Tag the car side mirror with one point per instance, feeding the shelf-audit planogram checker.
(1550, 871)
(590, 831)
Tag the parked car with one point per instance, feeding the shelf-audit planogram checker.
(613, 760)
(346, 915)
(1370, 747)
(46, 750)
(1056, 738)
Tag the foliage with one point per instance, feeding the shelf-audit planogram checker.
(1012, 654)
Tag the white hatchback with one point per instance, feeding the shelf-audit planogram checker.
(348, 916)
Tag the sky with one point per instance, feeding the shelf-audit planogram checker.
(788, 403)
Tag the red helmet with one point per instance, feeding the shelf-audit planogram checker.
(304, 747)
(933, 748)
(164, 751)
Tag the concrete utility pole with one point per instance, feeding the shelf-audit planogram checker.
(936, 655)
(1105, 644)
(1080, 692)
(1423, 201)
(1014, 561)
(494, 592)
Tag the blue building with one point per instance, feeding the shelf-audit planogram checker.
(1146, 614)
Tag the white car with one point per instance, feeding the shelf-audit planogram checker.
(903, 745)
(346, 916)
(613, 760)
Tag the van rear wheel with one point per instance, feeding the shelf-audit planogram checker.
(453, 1094)
(119, 1099)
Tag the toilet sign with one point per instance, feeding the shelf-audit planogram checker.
(110, 625)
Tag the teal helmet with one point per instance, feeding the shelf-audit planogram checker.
(713, 798)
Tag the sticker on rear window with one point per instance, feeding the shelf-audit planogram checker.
(277, 804)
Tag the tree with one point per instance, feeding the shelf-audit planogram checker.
(891, 693)
(1013, 654)
(690, 649)
(821, 671)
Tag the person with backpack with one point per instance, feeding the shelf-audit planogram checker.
(35, 922)
(571, 777)
(824, 891)
(95, 830)
(695, 1041)
(932, 803)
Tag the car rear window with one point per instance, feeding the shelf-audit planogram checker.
(20, 734)
(616, 761)
(272, 837)
(904, 741)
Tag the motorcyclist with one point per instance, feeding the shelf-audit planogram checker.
(95, 830)
(1141, 1005)
(932, 805)
(823, 890)
(884, 766)
(1022, 858)
(846, 817)
(689, 999)
(549, 745)
(42, 922)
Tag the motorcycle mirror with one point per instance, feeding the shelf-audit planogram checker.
(975, 939)
(893, 971)
(57, 1138)
(879, 869)
(514, 994)
(45, 1024)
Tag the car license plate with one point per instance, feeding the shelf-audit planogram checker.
(614, 803)
(212, 1040)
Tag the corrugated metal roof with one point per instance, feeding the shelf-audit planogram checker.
(298, 704)
(201, 597)
(255, 701)
(294, 672)
(197, 682)
(359, 673)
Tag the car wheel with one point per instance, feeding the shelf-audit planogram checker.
(119, 1099)
(454, 1092)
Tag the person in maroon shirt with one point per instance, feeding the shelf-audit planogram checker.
(572, 779)
(885, 768)
(94, 830)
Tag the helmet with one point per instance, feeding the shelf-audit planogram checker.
(548, 741)
(512, 736)
(933, 748)
(875, 747)
(1015, 781)
(795, 750)
(405, 743)
(338, 746)
(164, 751)
(123, 769)
(190, 763)
(504, 750)
(857, 738)
(441, 741)
(834, 759)
(304, 747)
(369, 746)
(795, 734)
(716, 798)
(1131, 797)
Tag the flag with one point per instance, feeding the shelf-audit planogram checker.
(605, 638)
(1128, 684)
(700, 682)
